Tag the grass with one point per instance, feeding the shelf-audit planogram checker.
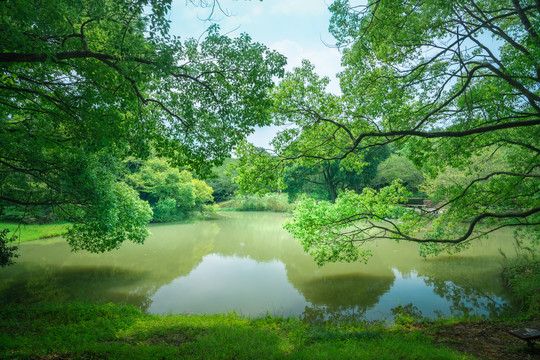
(89, 331)
(523, 279)
(34, 232)
(268, 202)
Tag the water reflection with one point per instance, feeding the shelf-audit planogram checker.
(220, 284)
(54, 284)
(246, 262)
(347, 289)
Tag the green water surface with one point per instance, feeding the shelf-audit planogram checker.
(246, 262)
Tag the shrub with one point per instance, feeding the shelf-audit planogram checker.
(523, 278)
(406, 315)
(268, 202)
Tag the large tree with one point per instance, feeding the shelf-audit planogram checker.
(86, 83)
(325, 179)
(446, 82)
(172, 194)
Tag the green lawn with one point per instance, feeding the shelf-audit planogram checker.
(87, 331)
(34, 232)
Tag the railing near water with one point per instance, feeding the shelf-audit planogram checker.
(422, 204)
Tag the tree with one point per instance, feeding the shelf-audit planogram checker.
(85, 84)
(443, 82)
(171, 193)
(398, 167)
(326, 179)
(221, 181)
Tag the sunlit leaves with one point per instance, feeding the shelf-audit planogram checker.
(333, 232)
(117, 215)
(455, 87)
(171, 193)
(257, 172)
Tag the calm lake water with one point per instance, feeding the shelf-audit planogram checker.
(246, 262)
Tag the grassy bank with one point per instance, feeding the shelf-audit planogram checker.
(34, 232)
(523, 279)
(268, 202)
(86, 331)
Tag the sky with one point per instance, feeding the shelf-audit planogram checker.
(297, 29)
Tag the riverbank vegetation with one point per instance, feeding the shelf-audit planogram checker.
(523, 278)
(267, 202)
(27, 232)
(84, 330)
(173, 194)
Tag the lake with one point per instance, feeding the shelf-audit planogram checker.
(246, 262)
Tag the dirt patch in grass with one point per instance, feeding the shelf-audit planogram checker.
(486, 340)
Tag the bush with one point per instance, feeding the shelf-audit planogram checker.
(269, 202)
(172, 194)
(165, 210)
(7, 252)
(523, 278)
(406, 315)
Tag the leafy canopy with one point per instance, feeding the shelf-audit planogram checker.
(88, 83)
(445, 82)
(171, 193)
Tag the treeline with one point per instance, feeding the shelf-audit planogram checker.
(323, 181)
(173, 194)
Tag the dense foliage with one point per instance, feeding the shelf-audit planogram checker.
(222, 182)
(86, 84)
(523, 279)
(172, 194)
(325, 179)
(447, 83)
(398, 167)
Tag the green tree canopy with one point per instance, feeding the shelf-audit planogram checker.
(444, 81)
(326, 179)
(87, 83)
(171, 193)
(222, 182)
(398, 167)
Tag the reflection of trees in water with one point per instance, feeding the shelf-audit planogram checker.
(258, 236)
(50, 284)
(135, 273)
(339, 315)
(40, 286)
(466, 299)
(351, 290)
(470, 285)
(342, 298)
(130, 275)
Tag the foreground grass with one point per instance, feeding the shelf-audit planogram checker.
(87, 331)
(34, 232)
